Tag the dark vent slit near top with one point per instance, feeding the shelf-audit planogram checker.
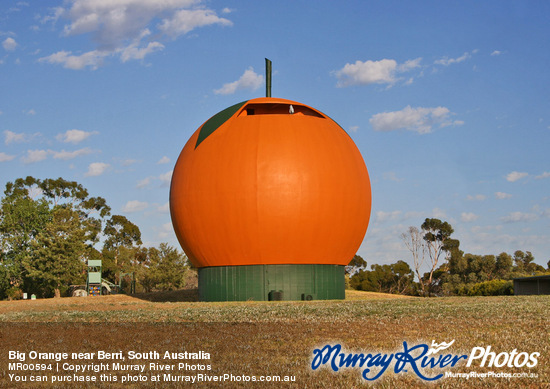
(278, 109)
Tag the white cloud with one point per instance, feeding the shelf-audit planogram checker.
(373, 72)
(496, 52)
(9, 44)
(35, 156)
(543, 175)
(120, 27)
(95, 58)
(12, 137)
(57, 12)
(368, 72)
(449, 61)
(468, 217)
(74, 136)
(438, 213)
(166, 178)
(166, 230)
(164, 208)
(115, 21)
(129, 162)
(96, 169)
(409, 65)
(413, 215)
(354, 128)
(6, 157)
(135, 206)
(163, 160)
(133, 51)
(184, 21)
(420, 119)
(478, 197)
(66, 155)
(391, 176)
(40, 155)
(92, 59)
(18, 6)
(249, 80)
(30, 112)
(515, 217)
(451, 123)
(515, 176)
(382, 216)
(486, 229)
(502, 195)
(144, 183)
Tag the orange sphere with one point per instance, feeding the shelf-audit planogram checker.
(270, 181)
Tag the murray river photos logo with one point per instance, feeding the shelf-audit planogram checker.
(424, 361)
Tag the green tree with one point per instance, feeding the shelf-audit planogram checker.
(474, 266)
(403, 276)
(119, 248)
(357, 263)
(36, 218)
(503, 265)
(458, 263)
(59, 252)
(488, 267)
(21, 220)
(71, 194)
(167, 268)
(524, 262)
(438, 277)
(395, 278)
(437, 235)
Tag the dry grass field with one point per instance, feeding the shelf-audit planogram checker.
(276, 338)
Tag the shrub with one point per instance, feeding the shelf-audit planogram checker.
(492, 288)
(14, 293)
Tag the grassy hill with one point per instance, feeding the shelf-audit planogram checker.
(278, 338)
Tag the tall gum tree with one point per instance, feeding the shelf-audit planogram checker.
(122, 237)
(437, 235)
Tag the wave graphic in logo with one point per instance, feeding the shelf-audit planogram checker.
(438, 347)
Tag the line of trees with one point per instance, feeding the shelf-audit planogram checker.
(396, 278)
(50, 228)
(450, 270)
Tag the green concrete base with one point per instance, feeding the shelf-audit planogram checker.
(272, 282)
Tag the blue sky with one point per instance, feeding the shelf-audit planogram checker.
(448, 102)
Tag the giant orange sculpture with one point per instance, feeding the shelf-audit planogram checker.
(270, 199)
